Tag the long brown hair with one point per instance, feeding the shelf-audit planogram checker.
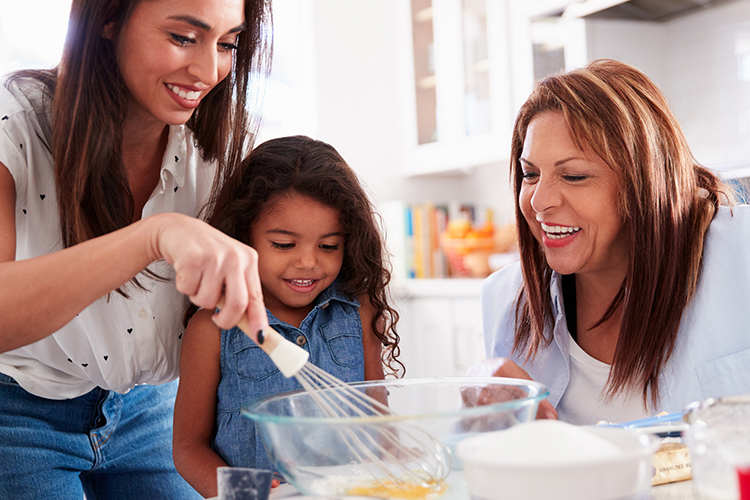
(315, 169)
(89, 105)
(667, 201)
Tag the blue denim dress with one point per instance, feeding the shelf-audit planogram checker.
(331, 333)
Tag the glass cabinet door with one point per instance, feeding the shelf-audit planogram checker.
(461, 89)
(452, 75)
(424, 70)
(478, 109)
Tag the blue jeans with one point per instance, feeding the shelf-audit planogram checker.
(103, 444)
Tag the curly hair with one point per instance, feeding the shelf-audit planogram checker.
(315, 169)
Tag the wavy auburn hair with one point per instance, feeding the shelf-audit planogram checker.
(315, 169)
(89, 102)
(667, 201)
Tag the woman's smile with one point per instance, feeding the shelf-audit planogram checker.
(188, 100)
(570, 199)
(187, 94)
(557, 236)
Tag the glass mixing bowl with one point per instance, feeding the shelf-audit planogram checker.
(389, 455)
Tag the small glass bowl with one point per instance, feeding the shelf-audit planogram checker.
(719, 442)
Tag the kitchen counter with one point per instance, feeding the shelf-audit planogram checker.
(682, 490)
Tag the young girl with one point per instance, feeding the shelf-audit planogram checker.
(323, 276)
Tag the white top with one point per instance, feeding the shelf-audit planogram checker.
(114, 343)
(711, 358)
(584, 401)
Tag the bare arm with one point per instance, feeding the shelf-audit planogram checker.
(40, 295)
(504, 367)
(7, 216)
(370, 342)
(195, 406)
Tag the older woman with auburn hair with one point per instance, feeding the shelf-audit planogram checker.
(632, 290)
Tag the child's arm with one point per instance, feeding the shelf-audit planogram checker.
(371, 344)
(195, 406)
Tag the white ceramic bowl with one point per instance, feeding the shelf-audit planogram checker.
(549, 459)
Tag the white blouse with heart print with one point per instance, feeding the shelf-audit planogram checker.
(115, 343)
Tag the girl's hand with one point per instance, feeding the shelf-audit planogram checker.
(207, 264)
(504, 367)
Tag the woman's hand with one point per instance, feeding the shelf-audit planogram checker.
(504, 367)
(209, 264)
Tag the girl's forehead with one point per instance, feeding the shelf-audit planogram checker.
(284, 198)
(291, 203)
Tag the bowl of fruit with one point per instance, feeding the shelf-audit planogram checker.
(468, 247)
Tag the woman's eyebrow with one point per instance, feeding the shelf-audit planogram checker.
(557, 163)
(566, 160)
(194, 21)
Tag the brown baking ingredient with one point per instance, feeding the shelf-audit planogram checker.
(672, 463)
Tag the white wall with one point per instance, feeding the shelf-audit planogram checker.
(28, 38)
(641, 44)
(357, 67)
(709, 82)
(357, 54)
(702, 63)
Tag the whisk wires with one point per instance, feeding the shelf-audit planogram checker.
(375, 444)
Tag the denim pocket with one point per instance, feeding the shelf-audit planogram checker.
(344, 340)
(6, 380)
(251, 361)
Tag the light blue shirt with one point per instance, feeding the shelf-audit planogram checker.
(712, 354)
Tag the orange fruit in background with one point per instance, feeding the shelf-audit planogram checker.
(487, 230)
(458, 228)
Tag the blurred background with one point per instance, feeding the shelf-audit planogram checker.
(419, 96)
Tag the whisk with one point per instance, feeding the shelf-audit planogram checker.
(381, 449)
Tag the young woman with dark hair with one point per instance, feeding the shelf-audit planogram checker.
(105, 163)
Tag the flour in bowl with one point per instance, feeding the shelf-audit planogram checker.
(544, 442)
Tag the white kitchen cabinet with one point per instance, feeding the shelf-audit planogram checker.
(440, 326)
(460, 86)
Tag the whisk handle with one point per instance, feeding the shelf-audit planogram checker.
(289, 358)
